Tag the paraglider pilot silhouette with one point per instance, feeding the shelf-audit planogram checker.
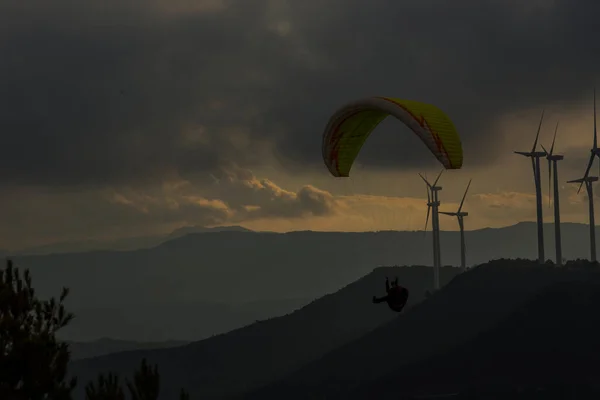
(396, 295)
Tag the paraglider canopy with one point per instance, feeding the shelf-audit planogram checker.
(351, 125)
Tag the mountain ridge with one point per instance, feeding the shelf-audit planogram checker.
(560, 324)
(234, 268)
(226, 363)
(122, 244)
(469, 305)
(146, 242)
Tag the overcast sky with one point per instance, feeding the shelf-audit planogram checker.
(124, 118)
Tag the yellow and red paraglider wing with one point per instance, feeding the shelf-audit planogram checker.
(351, 125)
(346, 133)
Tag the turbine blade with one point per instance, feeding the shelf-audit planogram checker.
(538, 132)
(425, 180)
(438, 177)
(463, 228)
(595, 134)
(549, 182)
(587, 171)
(464, 196)
(553, 139)
(427, 220)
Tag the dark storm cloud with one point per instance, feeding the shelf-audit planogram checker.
(476, 60)
(97, 94)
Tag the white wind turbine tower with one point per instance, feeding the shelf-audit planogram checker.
(460, 216)
(535, 163)
(589, 180)
(553, 160)
(433, 204)
(595, 151)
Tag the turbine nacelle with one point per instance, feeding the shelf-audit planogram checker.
(433, 186)
(534, 153)
(458, 212)
(431, 199)
(552, 162)
(550, 154)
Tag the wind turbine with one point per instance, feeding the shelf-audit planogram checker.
(553, 160)
(589, 180)
(595, 151)
(460, 216)
(535, 163)
(433, 204)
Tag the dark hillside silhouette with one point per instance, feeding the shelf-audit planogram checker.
(550, 342)
(105, 346)
(255, 355)
(137, 322)
(123, 244)
(472, 303)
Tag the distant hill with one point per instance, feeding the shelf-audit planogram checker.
(573, 233)
(472, 303)
(231, 268)
(187, 230)
(166, 320)
(252, 356)
(105, 346)
(133, 243)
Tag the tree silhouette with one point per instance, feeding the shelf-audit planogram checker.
(33, 364)
(146, 383)
(145, 386)
(108, 388)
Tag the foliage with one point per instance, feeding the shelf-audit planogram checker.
(146, 383)
(145, 386)
(183, 395)
(107, 388)
(33, 363)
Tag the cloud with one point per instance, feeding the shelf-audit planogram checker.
(135, 117)
(96, 94)
(364, 212)
(235, 196)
